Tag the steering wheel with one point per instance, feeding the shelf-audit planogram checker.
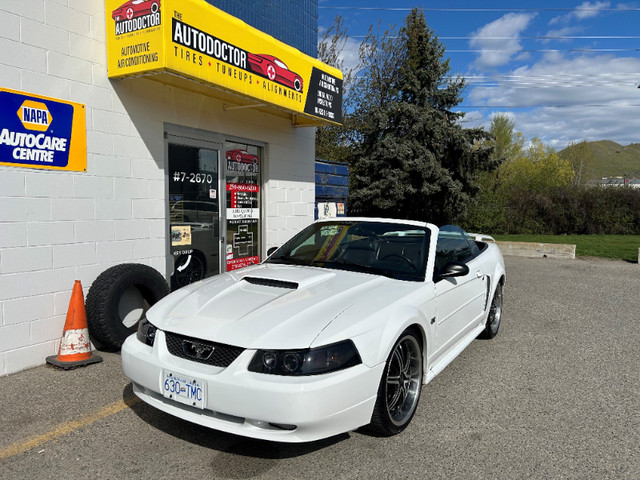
(395, 255)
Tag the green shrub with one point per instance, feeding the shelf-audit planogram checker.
(559, 211)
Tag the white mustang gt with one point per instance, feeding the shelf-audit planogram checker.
(338, 329)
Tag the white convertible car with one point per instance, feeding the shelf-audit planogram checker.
(338, 329)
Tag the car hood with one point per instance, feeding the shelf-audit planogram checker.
(267, 306)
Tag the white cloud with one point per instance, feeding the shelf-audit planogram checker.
(582, 12)
(558, 34)
(566, 99)
(499, 51)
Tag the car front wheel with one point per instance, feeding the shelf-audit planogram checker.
(400, 386)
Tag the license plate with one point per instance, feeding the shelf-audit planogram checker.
(183, 389)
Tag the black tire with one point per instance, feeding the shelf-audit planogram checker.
(400, 386)
(103, 305)
(495, 315)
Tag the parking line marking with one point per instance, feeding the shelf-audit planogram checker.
(66, 428)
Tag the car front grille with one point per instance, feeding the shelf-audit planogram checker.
(201, 351)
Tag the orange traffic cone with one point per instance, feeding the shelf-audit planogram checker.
(75, 346)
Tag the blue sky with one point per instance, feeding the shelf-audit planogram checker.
(564, 70)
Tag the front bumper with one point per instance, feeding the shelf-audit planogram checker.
(253, 404)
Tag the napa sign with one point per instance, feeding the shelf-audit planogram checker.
(165, 39)
(41, 132)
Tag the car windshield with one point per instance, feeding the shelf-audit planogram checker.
(280, 63)
(394, 250)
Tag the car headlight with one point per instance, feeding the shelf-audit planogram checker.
(146, 332)
(311, 361)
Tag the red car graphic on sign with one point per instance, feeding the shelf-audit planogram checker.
(242, 156)
(135, 8)
(275, 70)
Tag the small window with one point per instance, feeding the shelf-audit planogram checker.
(475, 250)
(280, 63)
(454, 245)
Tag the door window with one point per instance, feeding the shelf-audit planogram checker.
(454, 245)
(243, 221)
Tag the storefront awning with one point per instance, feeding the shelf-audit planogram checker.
(174, 40)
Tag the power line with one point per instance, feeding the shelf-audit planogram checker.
(530, 50)
(544, 50)
(555, 85)
(539, 37)
(555, 80)
(546, 105)
(559, 80)
(549, 75)
(475, 10)
(545, 37)
(532, 85)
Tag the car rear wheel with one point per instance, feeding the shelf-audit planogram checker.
(400, 386)
(495, 315)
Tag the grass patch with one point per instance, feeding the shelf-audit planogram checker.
(619, 247)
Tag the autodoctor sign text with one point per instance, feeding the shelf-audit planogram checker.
(41, 132)
(193, 39)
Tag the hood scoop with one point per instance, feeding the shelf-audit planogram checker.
(270, 282)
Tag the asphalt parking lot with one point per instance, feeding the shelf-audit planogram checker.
(555, 395)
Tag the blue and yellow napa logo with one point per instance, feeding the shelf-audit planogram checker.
(35, 116)
(42, 132)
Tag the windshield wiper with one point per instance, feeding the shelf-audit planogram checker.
(289, 260)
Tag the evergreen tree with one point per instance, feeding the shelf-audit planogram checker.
(412, 159)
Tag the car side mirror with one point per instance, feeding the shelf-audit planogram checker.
(271, 250)
(454, 269)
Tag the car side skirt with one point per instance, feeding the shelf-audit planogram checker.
(440, 365)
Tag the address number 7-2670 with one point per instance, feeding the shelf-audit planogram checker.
(192, 177)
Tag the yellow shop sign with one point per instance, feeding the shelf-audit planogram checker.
(195, 40)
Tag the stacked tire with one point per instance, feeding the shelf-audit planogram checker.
(109, 323)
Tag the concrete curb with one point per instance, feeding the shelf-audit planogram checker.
(532, 249)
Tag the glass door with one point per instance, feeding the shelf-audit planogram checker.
(194, 211)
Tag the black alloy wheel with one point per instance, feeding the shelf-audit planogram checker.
(400, 387)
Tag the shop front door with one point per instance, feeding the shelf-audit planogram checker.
(194, 211)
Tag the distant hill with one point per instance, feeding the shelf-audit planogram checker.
(608, 159)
